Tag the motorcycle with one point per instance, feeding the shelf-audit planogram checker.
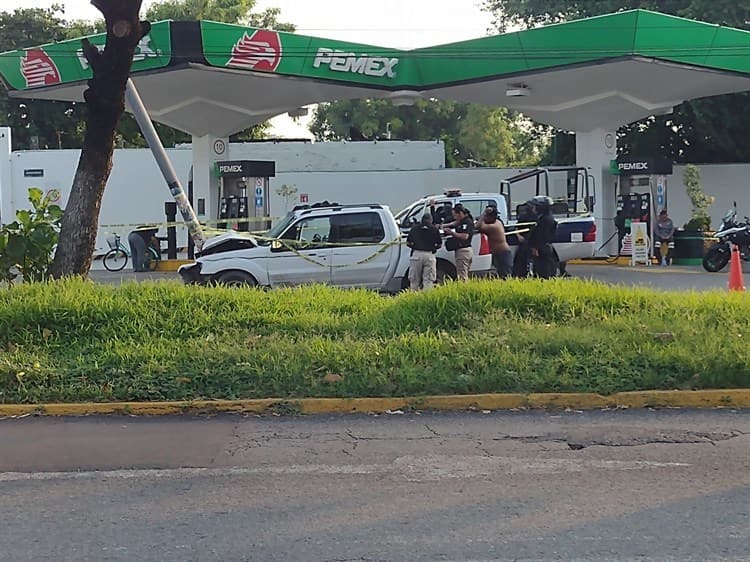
(731, 232)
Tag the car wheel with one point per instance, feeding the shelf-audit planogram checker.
(236, 279)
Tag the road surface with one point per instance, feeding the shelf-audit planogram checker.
(594, 486)
(674, 278)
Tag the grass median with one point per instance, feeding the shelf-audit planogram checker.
(74, 341)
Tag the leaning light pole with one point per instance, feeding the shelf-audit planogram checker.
(133, 99)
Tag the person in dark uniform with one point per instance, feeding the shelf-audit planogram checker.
(462, 231)
(540, 238)
(424, 240)
(442, 214)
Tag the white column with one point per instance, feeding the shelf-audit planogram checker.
(594, 151)
(6, 178)
(207, 150)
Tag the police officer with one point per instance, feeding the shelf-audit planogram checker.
(541, 237)
(461, 230)
(424, 240)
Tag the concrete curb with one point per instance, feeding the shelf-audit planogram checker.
(171, 265)
(732, 398)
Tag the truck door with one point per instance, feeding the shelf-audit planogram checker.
(360, 255)
(305, 257)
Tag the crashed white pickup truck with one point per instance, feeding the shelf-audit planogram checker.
(344, 245)
(341, 245)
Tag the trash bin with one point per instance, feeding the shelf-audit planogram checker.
(688, 247)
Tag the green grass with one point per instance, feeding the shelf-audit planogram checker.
(76, 341)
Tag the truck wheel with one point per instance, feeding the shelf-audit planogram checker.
(236, 279)
(445, 272)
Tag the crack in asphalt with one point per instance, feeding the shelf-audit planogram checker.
(672, 438)
(480, 446)
(675, 437)
(389, 438)
(427, 426)
(360, 559)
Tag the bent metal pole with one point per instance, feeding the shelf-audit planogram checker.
(157, 149)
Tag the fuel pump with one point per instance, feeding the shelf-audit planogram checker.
(244, 194)
(641, 195)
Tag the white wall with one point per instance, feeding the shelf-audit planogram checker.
(726, 182)
(392, 173)
(136, 191)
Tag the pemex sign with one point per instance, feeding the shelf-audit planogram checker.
(38, 69)
(260, 50)
(63, 62)
(234, 46)
(342, 61)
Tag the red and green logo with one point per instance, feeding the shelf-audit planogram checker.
(259, 51)
(38, 69)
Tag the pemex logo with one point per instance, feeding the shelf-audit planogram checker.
(259, 51)
(39, 69)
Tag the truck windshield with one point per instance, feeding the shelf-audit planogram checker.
(404, 216)
(280, 226)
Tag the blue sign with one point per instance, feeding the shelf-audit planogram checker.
(259, 192)
(660, 200)
(258, 201)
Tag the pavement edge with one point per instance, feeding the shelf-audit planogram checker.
(730, 398)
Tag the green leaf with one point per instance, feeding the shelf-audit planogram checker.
(24, 218)
(55, 212)
(35, 197)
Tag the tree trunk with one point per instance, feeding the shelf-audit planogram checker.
(105, 101)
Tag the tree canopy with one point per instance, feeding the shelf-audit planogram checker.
(708, 130)
(227, 11)
(43, 124)
(49, 124)
(474, 135)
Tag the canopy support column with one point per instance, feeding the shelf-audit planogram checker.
(143, 119)
(594, 151)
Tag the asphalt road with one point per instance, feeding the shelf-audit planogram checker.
(672, 278)
(675, 278)
(610, 485)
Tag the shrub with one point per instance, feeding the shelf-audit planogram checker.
(700, 219)
(27, 244)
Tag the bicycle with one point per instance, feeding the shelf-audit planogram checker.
(117, 257)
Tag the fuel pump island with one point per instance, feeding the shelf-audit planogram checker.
(641, 194)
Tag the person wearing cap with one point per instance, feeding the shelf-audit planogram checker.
(491, 225)
(461, 231)
(138, 240)
(424, 240)
(541, 237)
(664, 237)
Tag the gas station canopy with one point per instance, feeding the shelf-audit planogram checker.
(211, 78)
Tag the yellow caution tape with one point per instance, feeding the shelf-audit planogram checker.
(296, 247)
(182, 223)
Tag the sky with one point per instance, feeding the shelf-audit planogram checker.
(402, 24)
